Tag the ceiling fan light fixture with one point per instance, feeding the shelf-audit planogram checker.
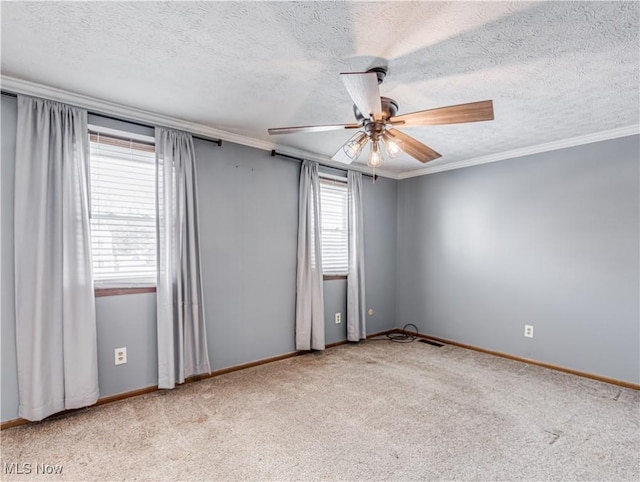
(375, 156)
(393, 147)
(354, 146)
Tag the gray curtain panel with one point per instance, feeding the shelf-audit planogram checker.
(54, 297)
(309, 297)
(356, 307)
(182, 338)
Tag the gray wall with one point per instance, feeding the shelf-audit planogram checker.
(380, 221)
(127, 321)
(249, 227)
(248, 204)
(335, 301)
(549, 240)
(9, 381)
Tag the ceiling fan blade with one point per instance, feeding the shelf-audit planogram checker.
(453, 114)
(328, 127)
(363, 89)
(412, 147)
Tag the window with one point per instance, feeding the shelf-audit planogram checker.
(334, 231)
(122, 211)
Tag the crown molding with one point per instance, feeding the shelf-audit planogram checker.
(19, 86)
(526, 151)
(99, 106)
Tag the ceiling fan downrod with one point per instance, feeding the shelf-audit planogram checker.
(381, 73)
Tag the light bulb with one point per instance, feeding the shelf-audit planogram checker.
(393, 146)
(375, 157)
(354, 146)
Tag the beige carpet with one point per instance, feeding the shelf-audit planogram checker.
(374, 411)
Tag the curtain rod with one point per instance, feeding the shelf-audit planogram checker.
(276, 153)
(107, 116)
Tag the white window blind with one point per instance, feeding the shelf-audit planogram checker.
(123, 212)
(334, 234)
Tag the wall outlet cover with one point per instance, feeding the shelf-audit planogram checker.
(120, 355)
(528, 331)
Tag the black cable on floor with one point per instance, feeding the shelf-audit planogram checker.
(404, 336)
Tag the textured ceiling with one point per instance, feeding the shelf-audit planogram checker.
(554, 70)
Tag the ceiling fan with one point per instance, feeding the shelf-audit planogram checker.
(377, 118)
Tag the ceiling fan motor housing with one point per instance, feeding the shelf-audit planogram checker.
(375, 129)
(389, 109)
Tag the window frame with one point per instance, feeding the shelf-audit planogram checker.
(342, 180)
(125, 136)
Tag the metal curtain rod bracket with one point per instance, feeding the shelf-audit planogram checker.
(215, 141)
(276, 153)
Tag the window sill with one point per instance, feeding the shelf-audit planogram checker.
(123, 291)
(331, 277)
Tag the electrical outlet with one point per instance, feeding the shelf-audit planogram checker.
(370, 312)
(528, 331)
(120, 355)
(338, 318)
